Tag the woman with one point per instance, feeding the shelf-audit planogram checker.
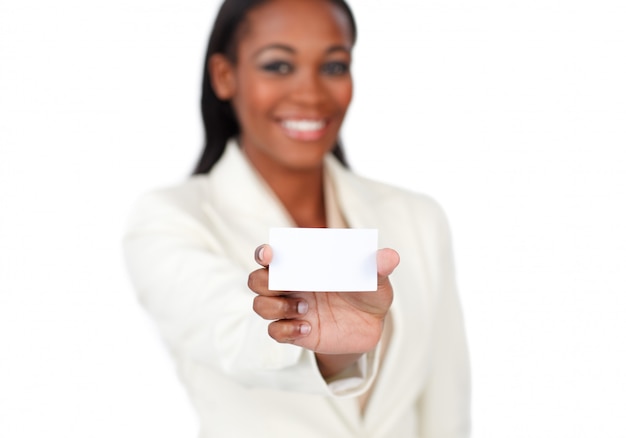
(277, 87)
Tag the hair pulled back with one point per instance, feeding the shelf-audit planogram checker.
(220, 122)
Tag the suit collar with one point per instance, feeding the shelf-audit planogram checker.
(354, 197)
(237, 189)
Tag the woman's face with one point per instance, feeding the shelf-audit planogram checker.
(291, 84)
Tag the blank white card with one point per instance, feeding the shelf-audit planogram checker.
(323, 259)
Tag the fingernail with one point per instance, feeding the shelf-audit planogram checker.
(303, 307)
(260, 253)
(305, 329)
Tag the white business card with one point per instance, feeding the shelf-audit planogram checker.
(323, 259)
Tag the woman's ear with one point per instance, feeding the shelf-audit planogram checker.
(222, 74)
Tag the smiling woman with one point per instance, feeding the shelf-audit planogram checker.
(290, 86)
(393, 363)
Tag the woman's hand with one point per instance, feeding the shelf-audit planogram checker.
(328, 323)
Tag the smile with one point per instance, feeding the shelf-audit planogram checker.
(303, 125)
(304, 129)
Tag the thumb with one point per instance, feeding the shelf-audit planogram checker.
(263, 255)
(387, 260)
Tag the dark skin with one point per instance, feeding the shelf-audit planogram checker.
(291, 88)
(338, 326)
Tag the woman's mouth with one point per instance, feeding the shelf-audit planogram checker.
(304, 129)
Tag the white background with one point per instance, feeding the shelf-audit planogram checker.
(511, 114)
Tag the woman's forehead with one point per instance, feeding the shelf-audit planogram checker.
(296, 22)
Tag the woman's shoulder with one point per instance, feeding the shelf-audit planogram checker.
(191, 187)
(388, 195)
(182, 198)
(391, 191)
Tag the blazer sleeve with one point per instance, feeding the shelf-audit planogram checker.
(444, 407)
(200, 302)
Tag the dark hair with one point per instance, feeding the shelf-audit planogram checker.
(220, 123)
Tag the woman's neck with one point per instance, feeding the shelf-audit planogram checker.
(302, 194)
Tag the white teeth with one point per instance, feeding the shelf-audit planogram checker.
(303, 125)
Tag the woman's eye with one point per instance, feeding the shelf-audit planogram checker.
(279, 67)
(335, 68)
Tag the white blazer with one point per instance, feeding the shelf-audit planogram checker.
(189, 250)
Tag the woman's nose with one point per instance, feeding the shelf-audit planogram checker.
(309, 88)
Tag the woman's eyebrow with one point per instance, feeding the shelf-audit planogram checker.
(292, 51)
(275, 46)
(338, 48)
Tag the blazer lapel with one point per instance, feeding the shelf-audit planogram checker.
(240, 206)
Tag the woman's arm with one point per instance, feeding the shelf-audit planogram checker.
(202, 306)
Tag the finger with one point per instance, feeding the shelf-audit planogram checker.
(257, 282)
(279, 307)
(387, 260)
(263, 255)
(287, 331)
